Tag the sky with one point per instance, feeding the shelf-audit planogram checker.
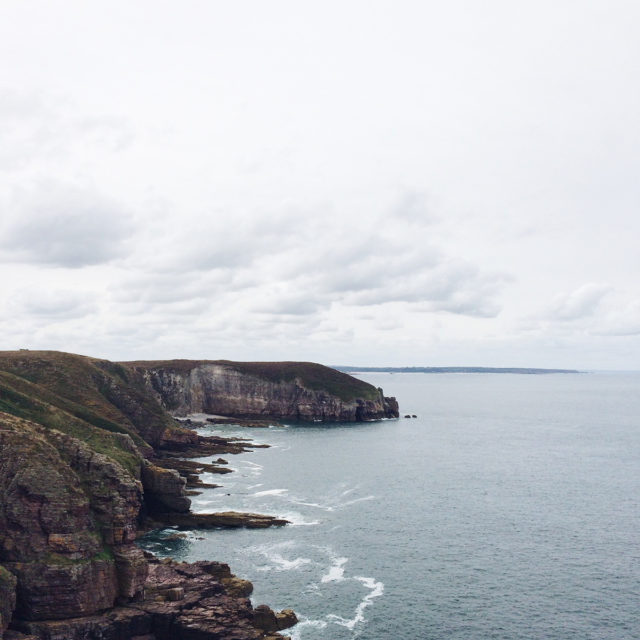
(356, 182)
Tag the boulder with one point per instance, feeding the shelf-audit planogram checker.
(164, 489)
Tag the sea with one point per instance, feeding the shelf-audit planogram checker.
(509, 508)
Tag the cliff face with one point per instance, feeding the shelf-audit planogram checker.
(304, 392)
(67, 523)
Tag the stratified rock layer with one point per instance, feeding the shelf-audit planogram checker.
(304, 392)
(64, 511)
(199, 601)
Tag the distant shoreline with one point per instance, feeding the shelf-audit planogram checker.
(520, 370)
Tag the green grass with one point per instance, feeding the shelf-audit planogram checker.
(25, 400)
(57, 559)
(99, 391)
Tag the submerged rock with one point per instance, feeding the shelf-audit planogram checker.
(224, 520)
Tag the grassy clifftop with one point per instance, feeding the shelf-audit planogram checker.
(309, 374)
(42, 385)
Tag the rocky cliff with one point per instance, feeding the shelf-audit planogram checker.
(88, 452)
(297, 391)
(82, 455)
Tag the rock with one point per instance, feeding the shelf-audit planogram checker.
(115, 496)
(7, 598)
(49, 534)
(185, 601)
(76, 478)
(237, 587)
(407, 416)
(286, 619)
(164, 489)
(225, 519)
(264, 618)
(132, 570)
(301, 391)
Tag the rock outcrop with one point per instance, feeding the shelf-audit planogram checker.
(65, 512)
(199, 601)
(297, 391)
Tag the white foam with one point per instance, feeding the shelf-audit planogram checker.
(376, 590)
(274, 556)
(296, 632)
(333, 507)
(282, 564)
(313, 504)
(297, 519)
(336, 571)
(350, 502)
(255, 486)
(271, 492)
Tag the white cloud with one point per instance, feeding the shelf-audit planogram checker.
(255, 188)
(581, 303)
(63, 226)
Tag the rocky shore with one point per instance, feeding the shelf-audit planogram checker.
(201, 600)
(89, 459)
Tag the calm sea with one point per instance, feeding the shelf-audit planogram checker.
(509, 508)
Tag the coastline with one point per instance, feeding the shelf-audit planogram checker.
(117, 463)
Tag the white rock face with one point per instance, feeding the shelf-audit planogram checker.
(221, 389)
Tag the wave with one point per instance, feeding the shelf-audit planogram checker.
(296, 632)
(297, 519)
(332, 507)
(376, 590)
(336, 571)
(275, 558)
(270, 492)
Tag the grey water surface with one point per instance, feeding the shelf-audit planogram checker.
(508, 509)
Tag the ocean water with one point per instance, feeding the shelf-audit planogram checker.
(510, 508)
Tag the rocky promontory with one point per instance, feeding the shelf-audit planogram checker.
(297, 391)
(90, 457)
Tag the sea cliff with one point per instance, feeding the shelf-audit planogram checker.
(89, 456)
(298, 391)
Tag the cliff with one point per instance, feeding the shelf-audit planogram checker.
(297, 391)
(82, 455)
(88, 453)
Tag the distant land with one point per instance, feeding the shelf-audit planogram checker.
(523, 370)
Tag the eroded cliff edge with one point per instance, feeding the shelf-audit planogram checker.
(297, 391)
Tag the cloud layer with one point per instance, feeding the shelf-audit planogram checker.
(423, 183)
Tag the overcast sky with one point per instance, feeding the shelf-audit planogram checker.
(355, 182)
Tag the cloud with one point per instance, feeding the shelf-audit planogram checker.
(454, 286)
(623, 319)
(63, 226)
(58, 305)
(34, 130)
(412, 206)
(580, 303)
